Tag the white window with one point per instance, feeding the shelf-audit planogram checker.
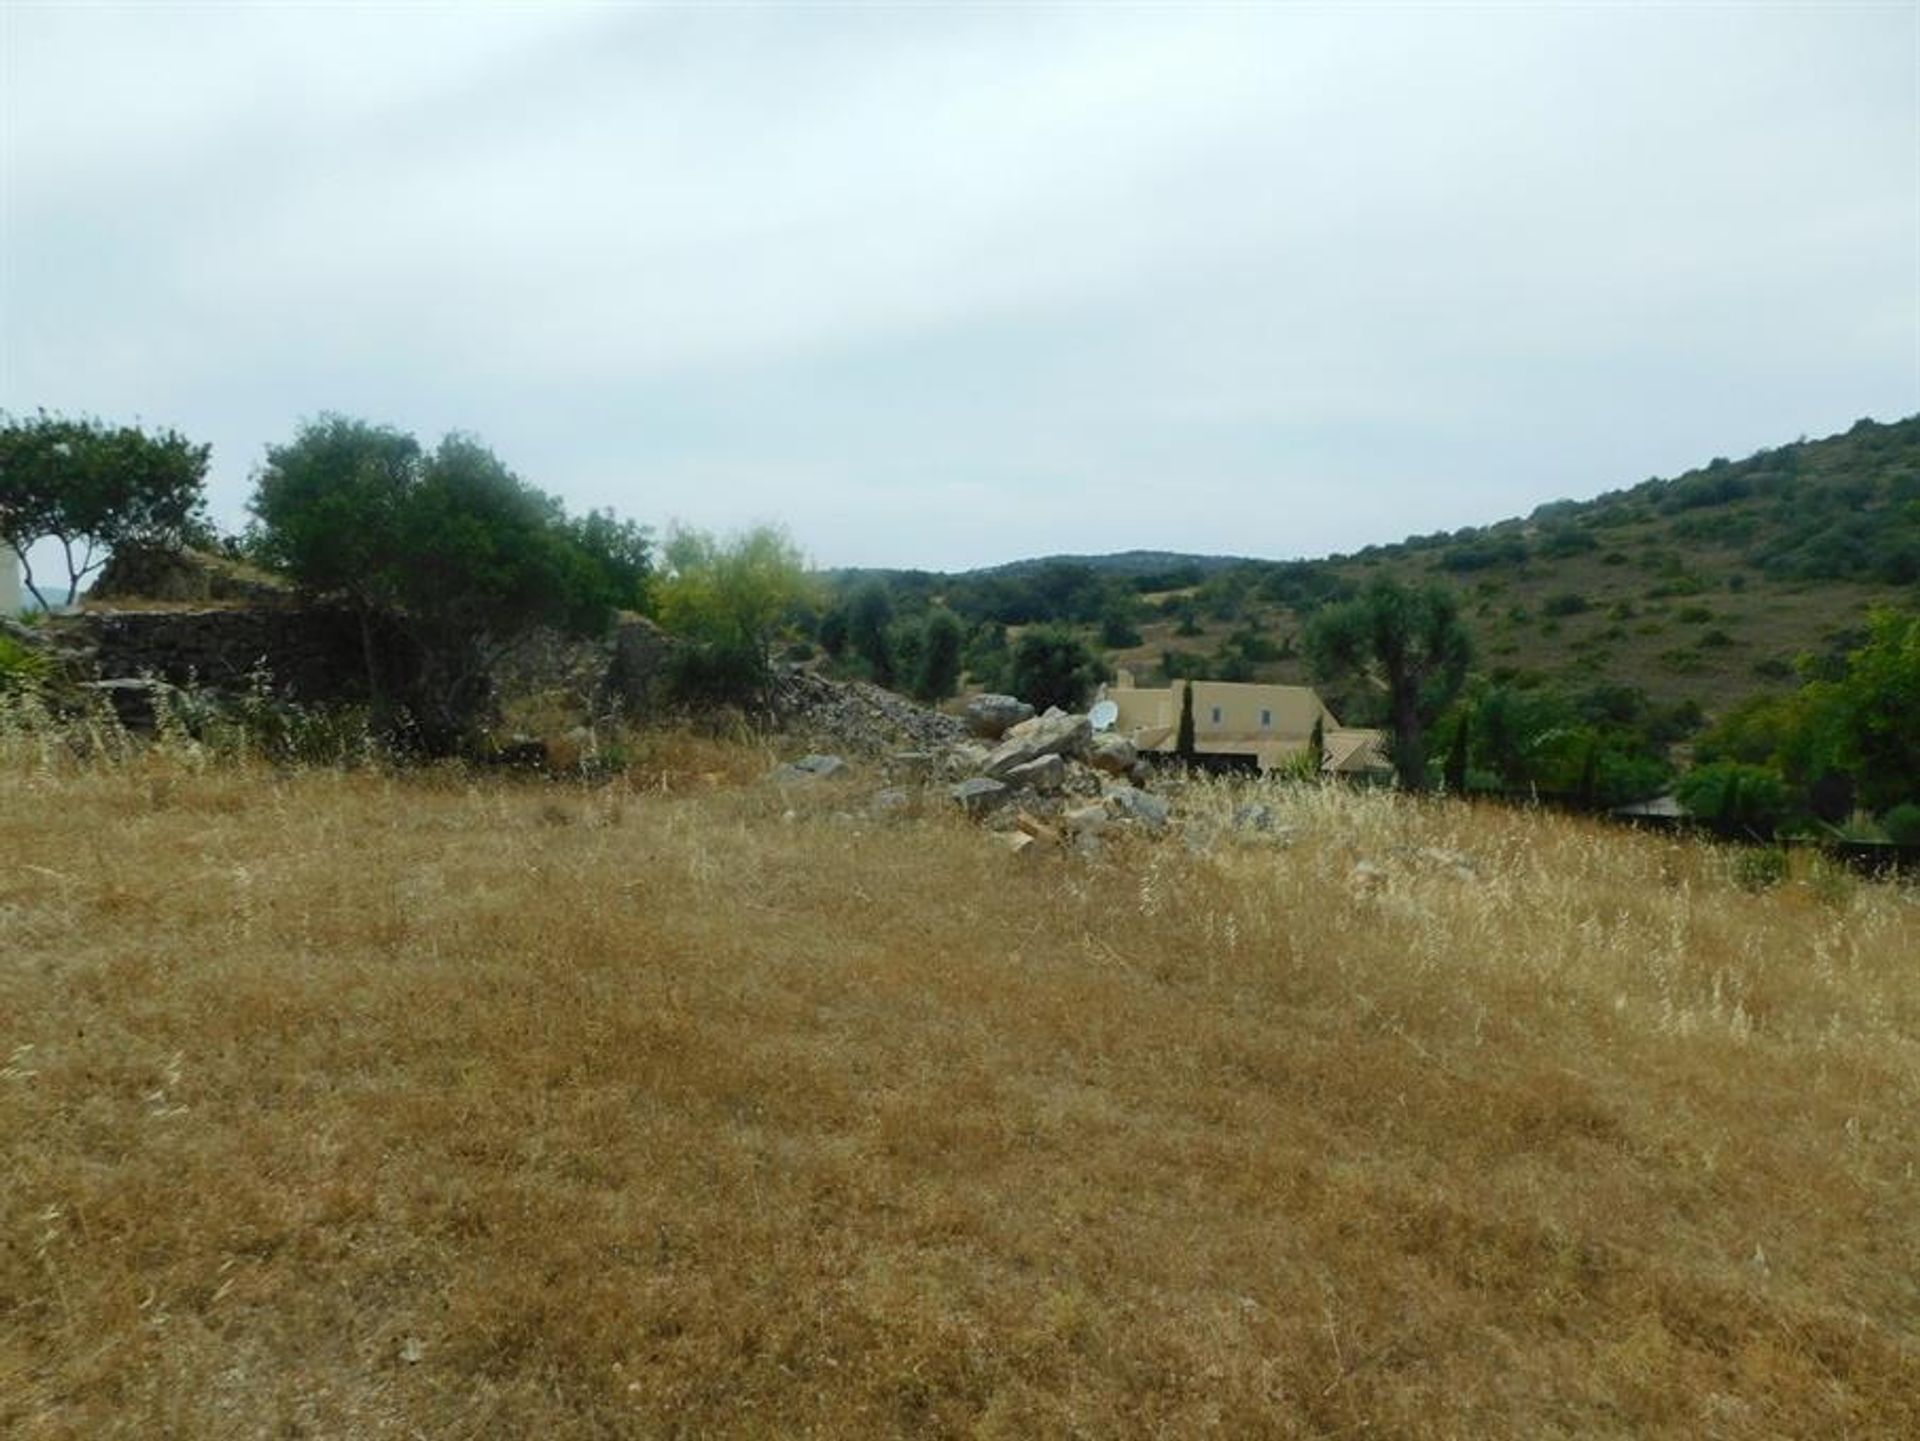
(1216, 715)
(1266, 720)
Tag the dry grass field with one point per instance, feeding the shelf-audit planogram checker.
(356, 1104)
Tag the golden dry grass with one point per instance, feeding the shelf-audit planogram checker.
(364, 1105)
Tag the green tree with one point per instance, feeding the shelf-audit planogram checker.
(328, 509)
(483, 558)
(622, 551)
(1409, 642)
(1183, 740)
(1457, 754)
(726, 600)
(1735, 797)
(869, 630)
(94, 488)
(1875, 710)
(447, 558)
(939, 673)
(988, 657)
(1053, 667)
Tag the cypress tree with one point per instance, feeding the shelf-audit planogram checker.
(1183, 743)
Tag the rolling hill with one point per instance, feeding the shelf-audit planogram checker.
(1705, 587)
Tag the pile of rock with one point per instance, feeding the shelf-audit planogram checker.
(1035, 779)
(858, 718)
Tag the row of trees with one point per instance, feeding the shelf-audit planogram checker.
(446, 558)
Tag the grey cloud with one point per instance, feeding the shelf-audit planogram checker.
(928, 282)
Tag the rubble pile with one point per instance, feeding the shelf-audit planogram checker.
(1034, 780)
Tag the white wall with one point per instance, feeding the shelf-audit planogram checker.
(12, 596)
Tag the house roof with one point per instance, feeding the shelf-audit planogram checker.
(1350, 752)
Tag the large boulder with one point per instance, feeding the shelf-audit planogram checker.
(980, 796)
(1113, 754)
(991, 716)
(1050, 735)
(1045, 774)
(1144, 808)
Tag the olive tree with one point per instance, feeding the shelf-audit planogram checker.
(1410, 643)
(93, 488)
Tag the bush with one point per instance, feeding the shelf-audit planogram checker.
(1566, 603)
(1902, 824)
(1053, 667)
(21, 667)
(1759, 869)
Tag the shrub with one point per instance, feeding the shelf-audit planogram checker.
(1053, 667)
(1566, 603)
(1902, 824)
(1760, 868)
(21, 667)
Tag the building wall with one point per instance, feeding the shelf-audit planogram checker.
(1266, 715)
(13, 598)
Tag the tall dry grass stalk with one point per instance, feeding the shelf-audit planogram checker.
(352, 1102)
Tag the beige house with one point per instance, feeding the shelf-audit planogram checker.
(1271, 723)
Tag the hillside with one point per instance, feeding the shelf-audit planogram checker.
(365, 1103)
(1703, 588)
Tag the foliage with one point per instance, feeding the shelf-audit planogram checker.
(1408, 642)
(869, 622)
(1860, 716)
(1902, 824)
(1734, 796)
(1183, 745)
(1875, 710)
(447, 557)
(21, 667)
(1456, 768)
(938, 675)
(727, 600)
(93, 487)
(988, 658)
(1053, 667)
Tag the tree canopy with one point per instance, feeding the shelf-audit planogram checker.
(1054, 667)
(92, 488)
(1410, 643)
(727, 600)
(448, 551)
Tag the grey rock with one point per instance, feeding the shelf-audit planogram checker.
(1086, 820)
(892, 802)
(1142, 807)
(990, 716)
(1113, 754)
(1043, 736)
(1253, 816)
(808, 768)
(980, 796)
(912, 765)
(1045, 774)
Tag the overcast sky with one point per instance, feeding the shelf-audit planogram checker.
(950, 285)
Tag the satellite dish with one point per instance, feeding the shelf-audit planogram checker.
(1103, 714)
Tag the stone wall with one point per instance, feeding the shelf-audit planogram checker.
(311, 653)
(314, 654)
